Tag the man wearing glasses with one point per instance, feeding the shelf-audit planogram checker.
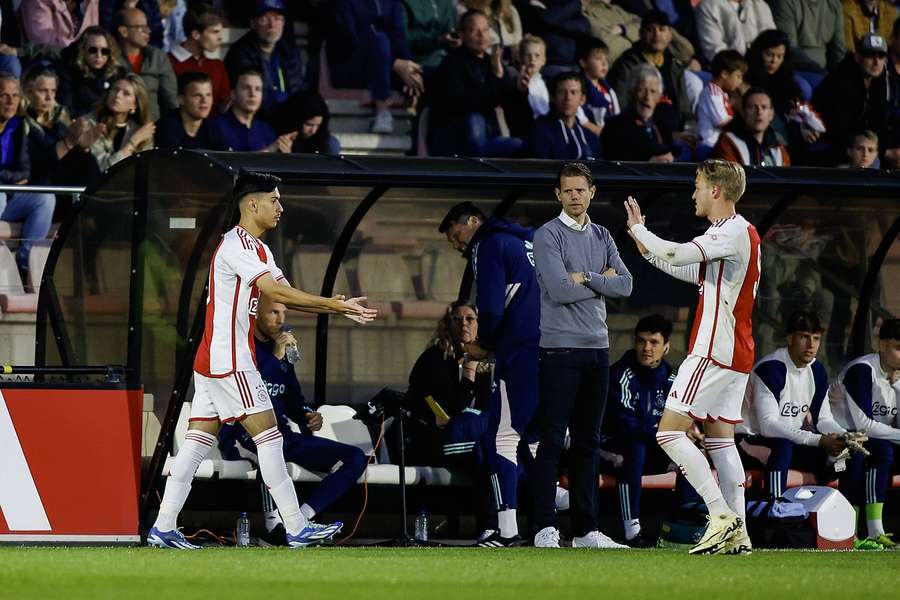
(151, 63)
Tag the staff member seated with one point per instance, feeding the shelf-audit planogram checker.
(304, 448)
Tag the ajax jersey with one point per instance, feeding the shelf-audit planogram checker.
(237, 264)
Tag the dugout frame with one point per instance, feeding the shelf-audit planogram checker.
(135, 188)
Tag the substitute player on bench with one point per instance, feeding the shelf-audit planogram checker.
(227, 384)
(710, 385)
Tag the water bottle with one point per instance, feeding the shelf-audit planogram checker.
(291, 352)
(422, 526)
(243, 531)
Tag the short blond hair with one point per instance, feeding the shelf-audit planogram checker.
(729, 176)
(531, 40)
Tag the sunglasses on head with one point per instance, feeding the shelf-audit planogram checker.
(96, 50)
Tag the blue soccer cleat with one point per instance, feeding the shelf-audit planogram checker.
(313, 534)
(169, 539)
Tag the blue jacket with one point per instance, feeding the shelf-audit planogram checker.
(287, 398)
(507, 293)
(355, 19)
(234, 137)
(552, 139)
(637, 397)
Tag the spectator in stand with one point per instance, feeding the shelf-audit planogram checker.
(172, 13)
(620, 29)
(430, 30)
(93, 63)
(56, 143)
(265, 49)
(769, 66)
(561, 25)
(640, 383)
(506, 24)
(636, 134)
(366, 47)
(863, 150)
(714, 110)
(601, 101)
(816, 31)
(58, 22)
(653, 48)
(751, 139)
(189, 127)
(854, 95)
(123, 125)
(892, 141)
(240, 129)
(203, 29)
(785, 392)
(307, 115)
(468, 87)
(33, 210)
(11, 39)
(867, 16)
(109, 8)
(730, 24)
(149, 62)
(559, 135)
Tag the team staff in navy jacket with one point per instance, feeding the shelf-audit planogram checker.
(508, 302)
(783, 401)
(304, 449)
(559, 134)
(639, 383)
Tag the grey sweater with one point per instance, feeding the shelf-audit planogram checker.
(573, 315)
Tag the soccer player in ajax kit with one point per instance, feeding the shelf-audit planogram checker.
(227, 384)
(710, 385)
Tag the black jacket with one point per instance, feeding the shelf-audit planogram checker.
(466, 84)
(625, 137)
(245, 54)
(81, 93)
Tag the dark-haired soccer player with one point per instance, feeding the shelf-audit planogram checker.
(710, 385)
(865, 397)
(227, 384)
(508, 302)
(784, 400)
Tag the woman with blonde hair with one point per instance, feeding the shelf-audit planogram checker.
(122, 123)
(90, 66)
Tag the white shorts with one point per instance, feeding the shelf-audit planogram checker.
(705, 391)
(229, 398)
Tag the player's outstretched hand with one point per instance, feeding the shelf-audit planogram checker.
(633, 210)
(353, 309)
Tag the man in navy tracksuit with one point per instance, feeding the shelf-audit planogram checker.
(508, 301)
(304, 449)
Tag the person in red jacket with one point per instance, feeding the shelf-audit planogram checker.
(751, 140)
(203, 29)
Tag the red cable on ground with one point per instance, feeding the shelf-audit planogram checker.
(365, 488)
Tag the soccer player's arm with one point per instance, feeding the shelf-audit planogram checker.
(614, 286)
(551, 272)
(858, 383)
(820, 408)
(768, 380)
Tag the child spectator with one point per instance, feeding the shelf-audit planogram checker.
(90, 66)
(601, 99)
(559, 135)
(714, 110)
(533, 57)
(188, 127)
(863, 150)
(203, 29)
(123, 125)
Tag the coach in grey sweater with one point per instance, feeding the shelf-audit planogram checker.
(577, 264)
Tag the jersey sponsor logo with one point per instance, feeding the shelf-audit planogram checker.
(882, 410)
(789, 410)
(274, 389)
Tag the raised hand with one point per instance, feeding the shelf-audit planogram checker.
(353, 309)
(633, 210)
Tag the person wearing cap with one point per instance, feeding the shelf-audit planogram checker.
(265, 49)
(653, 48)
(854, 95)
(867, 16)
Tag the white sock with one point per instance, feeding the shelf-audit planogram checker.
(178, 485)
(308, 511)
(506, 521)
(270, 452)
(632, 528)
(696, 470)
(725, 457)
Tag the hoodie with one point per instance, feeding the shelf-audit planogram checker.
(637, 397)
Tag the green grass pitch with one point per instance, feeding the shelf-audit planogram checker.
(435, 573)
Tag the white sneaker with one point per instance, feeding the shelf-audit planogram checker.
(562, 498)
(595, 539)
(383, 122)
(548, 537)
(718, 534)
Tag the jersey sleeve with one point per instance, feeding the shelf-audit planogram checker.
(717, 243)
(246, 263)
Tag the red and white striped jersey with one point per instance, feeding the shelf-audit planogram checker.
(714, 112)
(237, 264)
(729, 277)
